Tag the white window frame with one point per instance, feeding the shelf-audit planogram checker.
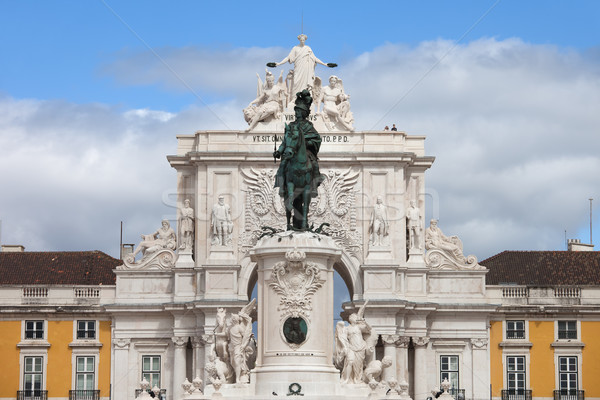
(576, 372)
(512, 322)
(84, 351)
(160, 370)
(577, 326)
(458, 363)
(93, 373)
(568, 352)
(515, 352)
(76, 328)
(525, 372)
(505, 327)
(44, 329)
(32, 352)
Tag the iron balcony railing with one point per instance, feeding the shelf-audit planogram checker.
(84, 394)
(32, 395)
(516, 394)
(163, 393)
(569, 394)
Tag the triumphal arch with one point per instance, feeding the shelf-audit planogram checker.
(184, 310)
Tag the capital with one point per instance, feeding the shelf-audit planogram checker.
(403, 341)
(479, 343)
(179, 341)
(389, 339)
(121, 343)
(420, 341)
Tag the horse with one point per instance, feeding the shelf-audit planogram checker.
(298, 184)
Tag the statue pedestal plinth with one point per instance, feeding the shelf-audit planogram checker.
(295, 314)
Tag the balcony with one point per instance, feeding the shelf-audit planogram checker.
(163, 393)
(566, 394)
(32, 395)
(516, 394)
(84, 394)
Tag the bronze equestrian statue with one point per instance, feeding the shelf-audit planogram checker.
(298, 176)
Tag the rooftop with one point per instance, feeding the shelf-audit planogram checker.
(57, 268)
(543, 268)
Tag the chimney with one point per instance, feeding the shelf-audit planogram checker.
(13, 248)
(576, 245)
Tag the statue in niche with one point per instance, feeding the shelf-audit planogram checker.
(163, 238)
(354, 347)
(298, 176)
(186, 226)
(336, 107)
(374, 369)
(413, 225)
(379, 228)
(239, 342)
(270, 101)
(221, 223)
(436, 240)
(304, 62)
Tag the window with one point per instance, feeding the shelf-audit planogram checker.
(86, 329)
(515, 329)
(151, 370)
(32, 376)
(449, 370)
(567, 375)
(567, 329)
(515, 374)
(84, 374)
(34, 329)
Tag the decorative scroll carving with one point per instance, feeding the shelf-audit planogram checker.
(335, 205)
(403, 341)
(479, 343)
(161, 259)
(420, 341)
(295, 280)
(122, 343)
(446, 252)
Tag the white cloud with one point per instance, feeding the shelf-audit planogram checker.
(513, 126)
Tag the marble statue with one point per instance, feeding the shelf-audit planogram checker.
(413, 224)
(186, 226)
(239, 346)
(336, 107)
(298, 176)
(304, 62)
(218, 369)
(163, 238)
(220, 333)
(354, 345)
(270, 101)
(374, 369)
(221, 223)
(379, 227)
(436, 240)
(445, 252)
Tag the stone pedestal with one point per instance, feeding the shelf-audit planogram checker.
(295, 307)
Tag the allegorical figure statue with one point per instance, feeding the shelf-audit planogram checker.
(298, 176)
(221, 223)
(354, 345)
(436, 240)
(379, 223)
(413, 224)
(163, 238)
(304, 62)
(336, 107)
(374, 369)
(186, 226)
(239, 337)
(270, 101)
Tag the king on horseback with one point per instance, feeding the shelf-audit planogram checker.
(298, 176)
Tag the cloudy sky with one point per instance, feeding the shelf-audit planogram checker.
(92, 94)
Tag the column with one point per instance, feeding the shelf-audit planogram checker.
(198, 358)
(121, 389)
(208, 341)
(402, 359)
(481, 368)
(421, 389)
(389, 350)
(179, 366)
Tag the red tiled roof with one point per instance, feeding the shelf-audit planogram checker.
(544, 268)
(57, 268)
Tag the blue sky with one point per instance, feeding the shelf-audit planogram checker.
(92, 94)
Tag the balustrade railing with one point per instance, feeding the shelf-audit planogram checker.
(84, 394)
(567, 291)
(515, 291)
(32, 394)
(35, 292)
(567, 394)
(516, 394)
